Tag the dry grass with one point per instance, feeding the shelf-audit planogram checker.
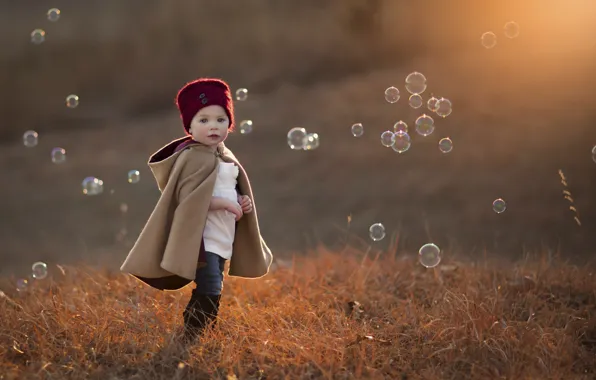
(301, 321)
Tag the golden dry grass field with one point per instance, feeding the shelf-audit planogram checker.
(330, 315)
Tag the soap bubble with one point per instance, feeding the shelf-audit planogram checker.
(357, 130)
(429, 255)
(402, 142)
(30, 139)
(488, 40)
(311, 141)
(39, 270)
(58, 155)
(444, 107)
(499, 206)
(72, 101)
(245, 127)
(54, 14)
(415, 101)
(415, 83)
(400, 126)
(511, 29)
(22, 284)
(377, 231)
(92, 186)
(38, 36)
(392, 94)
(296, 138)
(431, 104)
(387, 138)
(241, 94)
(134, 176)
(425, 125)
(445, 145)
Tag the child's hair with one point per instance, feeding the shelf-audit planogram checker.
(201, 93)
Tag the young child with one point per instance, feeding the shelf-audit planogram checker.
(205, 214)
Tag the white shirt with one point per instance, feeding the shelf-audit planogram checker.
(220, 227)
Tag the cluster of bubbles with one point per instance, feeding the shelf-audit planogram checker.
(39, 271)
(429, 255)
(489, 39)
(399, 139)
(300, 139)
(38, 36)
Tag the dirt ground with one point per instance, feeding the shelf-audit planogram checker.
(521, 112)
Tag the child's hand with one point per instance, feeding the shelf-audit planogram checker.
(245, 203)
(218, 203)
(234, 208)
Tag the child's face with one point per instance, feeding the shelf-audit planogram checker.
(210, 125)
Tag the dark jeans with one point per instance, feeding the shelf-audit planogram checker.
(210, 275)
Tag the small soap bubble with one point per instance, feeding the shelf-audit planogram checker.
(134, 176)
(30, 139)
(377, 231)
(72, 101)
(429, 255)
(54, 14)
(415, 101)
(241, 94)
(488, 40)
(245, 127)
(123, 208)
(387, 138)
(22, 284)
(38, 36)
(311, 141)
(357, 130)
(499, 206)
(425, 125)
(445, 145)
(511, 29)
(92, 186)
(392, 94)
(431, 104)
(594, 150)
(58, 155)
(444, 107)
(400, 126)
(296, 138)
(415, 83)
(402, 142)
(39, 270)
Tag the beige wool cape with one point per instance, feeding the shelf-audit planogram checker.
(166, 253)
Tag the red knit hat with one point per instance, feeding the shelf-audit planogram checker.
(202, 93)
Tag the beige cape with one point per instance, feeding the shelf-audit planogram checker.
(166, 254)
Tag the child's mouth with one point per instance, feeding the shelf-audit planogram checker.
(213, 136)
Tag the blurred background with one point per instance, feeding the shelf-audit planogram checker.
(522, 111)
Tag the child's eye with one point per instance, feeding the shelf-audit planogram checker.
(221, 120)
(203, 120)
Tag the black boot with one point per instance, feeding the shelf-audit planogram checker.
(200, 312)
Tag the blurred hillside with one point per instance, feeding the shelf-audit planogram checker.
(522, 111)
(129, 57)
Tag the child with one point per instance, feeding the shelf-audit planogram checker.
(200, 220)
